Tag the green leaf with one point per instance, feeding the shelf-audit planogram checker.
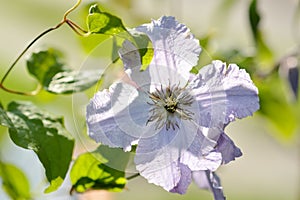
(147, 58)
(103, 22)
(48, 68)
(43, 65)
(101, 169)
(264, 54)
(254, 18)
(14, 182)
(46, 135)
(144, 46)
(72, 81)
(115, 49)
(4, 119)
(282, 114)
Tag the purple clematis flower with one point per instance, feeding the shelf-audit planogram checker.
(175, 118)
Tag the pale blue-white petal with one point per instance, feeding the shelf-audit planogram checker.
(201, 154)
(210, 161)
(165, 174)
(172, 37)
(130, 55)
(224, 94)
(227, 148)
(117, 117)
(176, 51)
(157, 156)
(210, 181)
(185, 180)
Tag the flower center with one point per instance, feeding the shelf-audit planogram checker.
(169, 105)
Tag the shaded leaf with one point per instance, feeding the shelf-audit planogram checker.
(101, 169)
(46, 135)
(103, 22)
(72, 81)
(14, 182)
(147, 58)
(48, 68)
(43, 65)
(4, 119)
(254, 18)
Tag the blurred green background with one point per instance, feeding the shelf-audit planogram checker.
(269, 167)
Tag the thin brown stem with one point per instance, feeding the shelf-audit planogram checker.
(19, 57)
(26, 49)
(77, 29)
(32, 93)
(133, 176)
(70, 10)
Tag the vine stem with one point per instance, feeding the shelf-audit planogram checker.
(133, 176)
(74, 27)
(18, 58)
(70, 10)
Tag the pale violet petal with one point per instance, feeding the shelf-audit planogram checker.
(176, 51)
(166, 175)
(142, 79)
(157, 156)
(224, 94)
(131, 58)
(160, 153)
(211, 161)
(210, 181)
(130, 55)
(185, 180)
(201, 154)
(227, 148)
(116, 117)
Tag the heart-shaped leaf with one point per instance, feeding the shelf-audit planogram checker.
(48, 68)
(103, 22)
(45, 134)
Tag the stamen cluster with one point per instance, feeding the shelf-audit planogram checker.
(169, 105)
